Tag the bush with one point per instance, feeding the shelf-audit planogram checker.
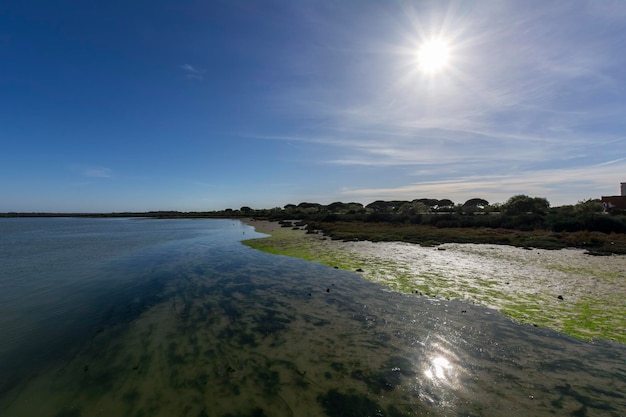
(606, 224)
(522, 204)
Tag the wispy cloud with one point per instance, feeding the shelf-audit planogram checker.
(564, 182)
(612, 162)
(192, 72)
(91, 171)
(529, 103)
(80, 184)
(205, 184)
(98, 172)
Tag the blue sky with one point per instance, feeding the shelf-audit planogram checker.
(207, 105)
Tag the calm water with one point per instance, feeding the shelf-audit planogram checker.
(123, 317)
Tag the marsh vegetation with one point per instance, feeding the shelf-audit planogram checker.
(522, 221)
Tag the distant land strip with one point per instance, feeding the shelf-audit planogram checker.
(522, 221)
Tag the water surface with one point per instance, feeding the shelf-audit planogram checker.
(176, 318)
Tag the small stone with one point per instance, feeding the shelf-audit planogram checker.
(560, 297)
(327, 289)
(359, 270)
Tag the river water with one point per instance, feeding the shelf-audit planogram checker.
(128, 317)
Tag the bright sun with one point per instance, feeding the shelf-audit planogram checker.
(433, 56)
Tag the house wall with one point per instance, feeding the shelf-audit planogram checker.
(616, 202)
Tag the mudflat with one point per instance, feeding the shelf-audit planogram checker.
(565, 290)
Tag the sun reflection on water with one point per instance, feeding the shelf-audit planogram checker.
(439, 382)
(438, 369)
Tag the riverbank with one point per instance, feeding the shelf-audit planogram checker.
(565, 290)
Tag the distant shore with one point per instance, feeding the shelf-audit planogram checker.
(565, 290)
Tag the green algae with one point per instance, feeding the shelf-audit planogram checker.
(290, 243)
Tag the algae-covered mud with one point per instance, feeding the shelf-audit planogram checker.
(219, 329)
(566, 290)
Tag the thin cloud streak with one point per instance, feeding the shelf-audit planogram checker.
(90, 171)
(612, 162)
(98, 172)
(192, 72)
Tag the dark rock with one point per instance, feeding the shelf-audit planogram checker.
(597, 253)
(560, 297)
(327, 289)
(359, 270)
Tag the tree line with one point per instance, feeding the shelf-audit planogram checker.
(520, 212)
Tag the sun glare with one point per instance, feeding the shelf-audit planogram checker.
(433, 56)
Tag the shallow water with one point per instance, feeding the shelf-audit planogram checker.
(177, 318)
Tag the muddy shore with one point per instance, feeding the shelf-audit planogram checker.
(565, 290)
